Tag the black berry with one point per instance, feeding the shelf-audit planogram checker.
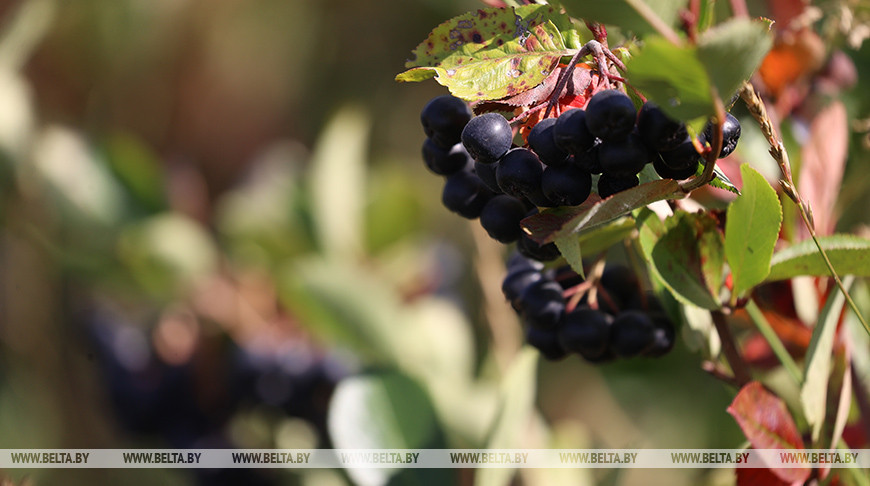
(486, 172)
(519, 173)
(542, 304)
(566, 185)
(542, 142)
(610, 115)
(487, 137)
(730, 134)
(571, 133)
(657, 130)
(443, 119)
(445, 161)
(624, 158)
(530, 249)
(585, 331)
(546, 341)
(501, 217)
(677, 174)
(609, 185)
(632, 333)
(465, 194)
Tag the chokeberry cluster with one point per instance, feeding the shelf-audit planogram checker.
(487, 176)
(621, 321)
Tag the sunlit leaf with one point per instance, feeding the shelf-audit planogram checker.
(751, 230)
(849, 254)
(492, 53)
(622, 14)
(550, 224)
(732, 51)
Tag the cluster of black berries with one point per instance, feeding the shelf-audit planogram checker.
(623, 323)
(486, 176)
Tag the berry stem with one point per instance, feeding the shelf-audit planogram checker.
(715, 146)
(777, 150)
(729, 347)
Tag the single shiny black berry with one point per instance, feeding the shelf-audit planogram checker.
(501, 217)
(445, 161)
(546, 341)
(542, 142)
(610, 115)
(443, 119)
(657, 130)
(571, 133)
(664, 336)
(566, 185)
(609, 185)
(730, 134)
(519, 173)
(465, 194)
(487, 137)
(624, 158)
(585, 331)
(631, 334)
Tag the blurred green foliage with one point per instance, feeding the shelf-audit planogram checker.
(206, 179)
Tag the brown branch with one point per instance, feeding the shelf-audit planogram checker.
(729, 347)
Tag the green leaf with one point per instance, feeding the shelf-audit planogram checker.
(385, 410)
(492, 53)
(337, 179)
(751, 231)
(720, 181)
(550, 224)
(622, 14)
(849, 254)
(603, 237)
(689, 258)
(569, 247)
(517, 405)
(818, 362)
(732, 51)
(673, 77)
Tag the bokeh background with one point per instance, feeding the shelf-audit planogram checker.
(216, 231)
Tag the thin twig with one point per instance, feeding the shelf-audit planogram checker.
(774, 342)
(729, 347)
(777, 151)
(716, 147)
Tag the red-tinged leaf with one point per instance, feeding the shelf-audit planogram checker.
(493, 53)
(580, 81)
(768, 424)
(747, 476)
(823, 160)
(550, 224)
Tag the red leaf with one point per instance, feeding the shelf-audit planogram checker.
(823, 160)
(767, 424)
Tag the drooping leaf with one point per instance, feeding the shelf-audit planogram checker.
(768, 424)
(603, 237)
(751, 230)
(492, 53)
(569, 247)
(623, 14)
(732, 51)
(550, 224)
(817, 368)
(849, 254)
(689, 258)
(385, 410)
(673, 77)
